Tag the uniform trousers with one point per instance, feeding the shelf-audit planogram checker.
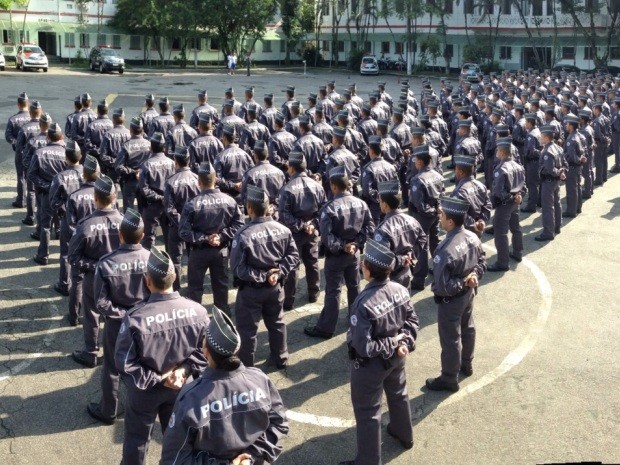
(551, 207)
(308, 247)
(506, 219)
(90, 322)
(573, 190)
(367, 385)
(21, 178)
(588, 175)
(532, 182)
(251, 305)
(64, 273)
(338, 268)
(154, 216)
(130, 187)
(457, 335)
(142, 409)
(76, 292)
(212, 259)
(600, 162)
(430, 225)
(375, 211)
(402, 276)
(109, 372)
(174, 246)
(45, 214)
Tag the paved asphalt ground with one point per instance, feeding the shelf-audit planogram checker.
(546, 377)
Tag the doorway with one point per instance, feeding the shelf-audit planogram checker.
(47, 41)
(528, 58)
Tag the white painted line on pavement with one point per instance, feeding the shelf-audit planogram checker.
(327, 422)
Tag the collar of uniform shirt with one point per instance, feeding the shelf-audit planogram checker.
(163, 296)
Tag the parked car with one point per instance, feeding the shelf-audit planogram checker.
(566, 69)
(30, 56)
(105, 59)
(470, 69)
(2, 62)
(369, 65)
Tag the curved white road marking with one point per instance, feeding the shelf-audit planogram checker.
(30, 358)
(515, 357)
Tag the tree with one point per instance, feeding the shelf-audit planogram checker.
(488, 8)
(584, 19)
(234, 21)
(8, 4)
(297, 20)
(409, 10)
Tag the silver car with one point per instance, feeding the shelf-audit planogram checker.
(369, 65)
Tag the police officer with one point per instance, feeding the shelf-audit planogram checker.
(344, 224)
(425, 189)
(507, 193)
(148, 115)
(97, 129)
(63, 185)
(11, 132)
(474, 193)
(27, 131)
(341, 156)
(112, 143)
(46, 163)
(249, 432)
(164, 121)
(400, 232)
(300, 201)
(77, 106)
(286, 106)
(231, 164)
(208, 223)
(181, 134)
(153, 174)
(94, 237)
(206, 146)
(264, 175)
(586, 129)
(602, 138)
(130, 158)
(615, 135)
(292, 125)
(311, 146)
(230, 119)
(153, 368)
(552, 171)
(81, 121)
(203, 108)
(459, 265)
(249, 101)
(235, 105)
(262, 256)
(531, 157)
(321, 128)
(281, 143)
(574, 153)
(383, 328)
(267, 117)
(80, 204)
(376, 171)
(119, 286)
(179, 188)
(254, 131)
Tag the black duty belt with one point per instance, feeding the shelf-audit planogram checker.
(546, 177)
(444, 300)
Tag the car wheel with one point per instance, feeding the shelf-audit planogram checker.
(121, 71)
(101, 68)
(23, 68)
(1, 68)
(90, 65)
(45, 70)
(16, 65)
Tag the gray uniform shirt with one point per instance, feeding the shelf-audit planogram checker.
(342, 220)
(300, 201)
(180, 187)
(153, 175)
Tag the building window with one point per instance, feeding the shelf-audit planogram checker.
(507, 7)
(325, 8)
(325, 46)
(367, 47)
(175, 43)
(550, 6)
(505, 52)
(195, 43)
(589, 53)
(101, 39)
(7, 37)
(116, 41)
(367, 7)
(614, 53)
(69, 39)
(213, 44)
(25, 39)
(282, 46)
(341, 45)
(537, 8)
(487, 8)
(398, 48)
(448, 52)
(591, 6)
(449, 7)
(342, 6)
(156, 43)
(354, 6)
(135, 43)
(84, 40)
(353, 45)
(568, 53)
(385, 47)
(266, 46)
(468, 7)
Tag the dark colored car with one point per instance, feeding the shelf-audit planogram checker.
(566, 69)
(105, 59)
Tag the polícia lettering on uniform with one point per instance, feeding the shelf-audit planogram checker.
(208, 202)
(346, 206)
(136, 265)
(463, 246)
(175, 314)
(243, 398)
(104, 226)
(391, 301)
(267, 233)
(86, 197)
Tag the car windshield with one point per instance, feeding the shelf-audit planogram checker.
(107, 52)
(368, 60)
(32, 50)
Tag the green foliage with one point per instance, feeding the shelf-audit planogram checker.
(7, 4)
(478, 51)
(311, 53)
(355, 59)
